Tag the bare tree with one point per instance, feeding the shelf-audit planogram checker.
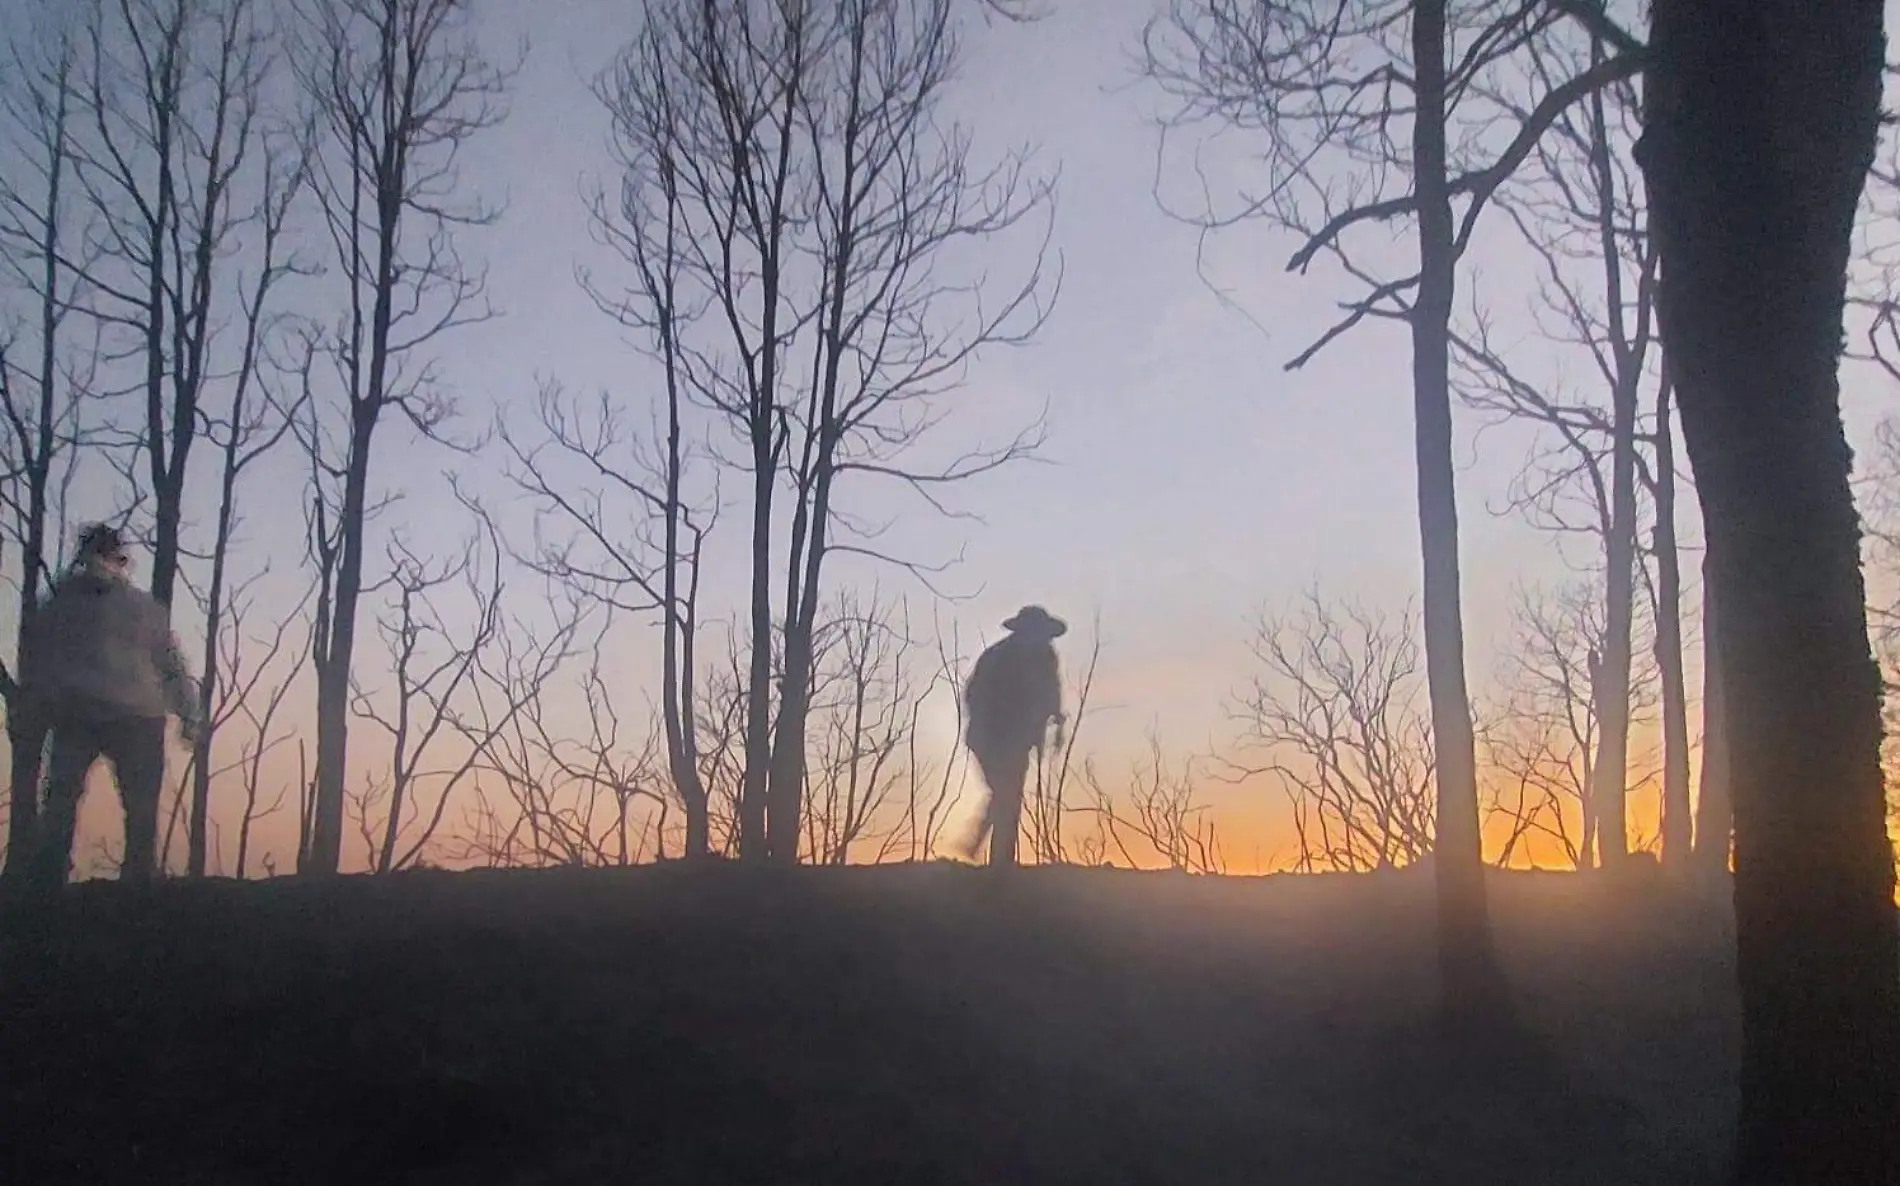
(1322, 83)
(720, 719)
(260, 705)
(1545, 736)
(394, 88)
(789, 198)
(449, 703)
(430, 670)
(600, 798)
(1159, 810)
(894, 193)
(591, 473)
(173, 101)
(1333, 718)
(252, 425)
(40, 404)
(245, 660)
(1543, 740)
(1577, 204)
(1761, 123)
(1046, 803)
(925, 819)
(864, 711)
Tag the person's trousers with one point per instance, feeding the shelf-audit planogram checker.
(135, 746)
(1005, 771)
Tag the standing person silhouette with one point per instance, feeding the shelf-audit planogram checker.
(104, 671)
(1013, 693)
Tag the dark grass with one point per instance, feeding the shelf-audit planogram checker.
(906, 1024)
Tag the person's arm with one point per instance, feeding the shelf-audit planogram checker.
(1049, 697)
(181, 688)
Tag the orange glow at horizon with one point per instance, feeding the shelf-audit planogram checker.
(1252, 821)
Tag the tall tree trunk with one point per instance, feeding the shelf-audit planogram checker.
(1677, 831)
(1472, 983)
(765, 428)
(166, 503)
(1763, 122)
(679, 640)
(785, 784)
(26, 732)
(333, 665)
(809, 541)
(785, 799)
(1715, 811)
(1611, 682)
(758, 704)
(197, 832)
(233, 459)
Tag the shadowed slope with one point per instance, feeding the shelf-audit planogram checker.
(919, 1023)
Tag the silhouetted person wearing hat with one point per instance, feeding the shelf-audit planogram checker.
(104, 671)
(1014, 692)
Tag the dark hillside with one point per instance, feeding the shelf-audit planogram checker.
(899, 1024)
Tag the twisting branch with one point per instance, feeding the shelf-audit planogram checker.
(1333, 718)
(1162, 813)
(448, 691)
(864, 711)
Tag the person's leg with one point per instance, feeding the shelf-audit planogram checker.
(973, 843)
(1006, 807)
(74, 748)
(26, 737)
(137, 749)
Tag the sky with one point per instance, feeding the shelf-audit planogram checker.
(1188, 479)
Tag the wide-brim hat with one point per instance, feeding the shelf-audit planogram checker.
(1033, 619)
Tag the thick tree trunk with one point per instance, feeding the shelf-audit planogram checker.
(1763, 121)
(1677, 828)
(1715, 810)
(1472, 984)
(809, 541)
(786, 784)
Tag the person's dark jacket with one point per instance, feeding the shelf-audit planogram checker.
(1014, 691)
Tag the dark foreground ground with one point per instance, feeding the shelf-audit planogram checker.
(903, 1025)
